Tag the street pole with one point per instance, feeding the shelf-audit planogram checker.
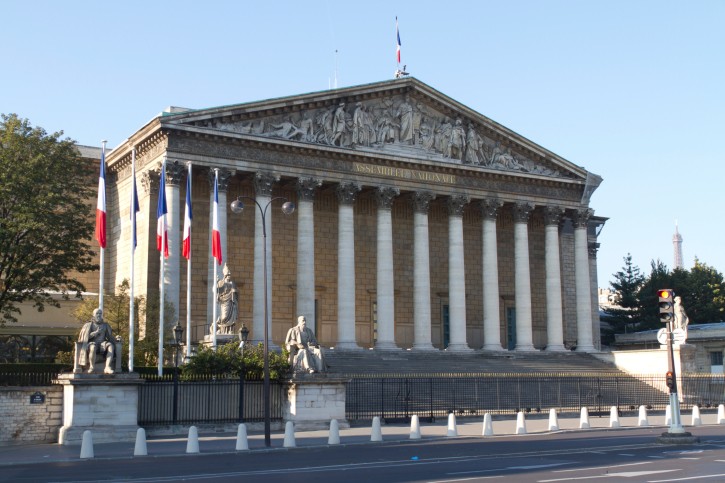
(675, 424)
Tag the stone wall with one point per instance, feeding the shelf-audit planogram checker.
(22, 422)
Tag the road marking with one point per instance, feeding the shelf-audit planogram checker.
(699, 477)
(625, 474)
(605, 467)
(626, 454)
(509, 468)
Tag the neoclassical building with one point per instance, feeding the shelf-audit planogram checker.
(420, 223)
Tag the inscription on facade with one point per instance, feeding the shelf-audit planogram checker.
(403, 173)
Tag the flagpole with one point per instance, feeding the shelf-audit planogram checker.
(188, 274)
(131, 311)
(103, 248)
(216, 218)
(162, 186)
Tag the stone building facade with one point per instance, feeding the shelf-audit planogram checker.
(420, 223)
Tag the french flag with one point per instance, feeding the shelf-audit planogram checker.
(134, 198)
(162, 238)
(101, 205)
(216, 238)
(186, 247)
(397, 34)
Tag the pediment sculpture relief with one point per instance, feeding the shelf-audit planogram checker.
(397, 125)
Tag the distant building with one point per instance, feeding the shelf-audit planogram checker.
(677, 247)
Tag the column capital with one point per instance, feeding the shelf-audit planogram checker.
(490, 207)
(593, 247)
(264, 182)
(150, 181)
(522, 211)
(175, 172)
(384, 196)
(553, 214)
(347, 192)
(225, 176)
(421, 201)
(306, 188)
(580, 217)
(457, 203)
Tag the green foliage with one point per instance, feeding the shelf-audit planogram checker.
(626, 285)
(45, 217)
(227, 360)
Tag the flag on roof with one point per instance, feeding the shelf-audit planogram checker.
(397, 34)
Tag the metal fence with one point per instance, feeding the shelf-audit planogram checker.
(398, 398)
(212, 400)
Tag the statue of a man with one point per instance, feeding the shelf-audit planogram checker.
(305, 354)
(681, 319)
(96, 338)
(228, 297)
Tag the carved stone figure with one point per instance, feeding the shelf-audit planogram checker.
(443, 136)
(96, 338)
(473, 145)
(339, 124)
(405, 115)
(681, 319)
(228, 297)
(362, 128)
(457, 142)
(305, 354)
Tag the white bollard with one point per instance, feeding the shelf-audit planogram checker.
(242, 441)
(376, 434)
(642, 420)
(487, 425)
(696, 420)
(452, 429)
(414, 427)
(520, 423)
(614, 417)
(87, 445)
(668, 415)
(192, 443)
(553, 420)
(334, 437)
(140, 449)
(584, 418)
(721, 414)
(289, 435)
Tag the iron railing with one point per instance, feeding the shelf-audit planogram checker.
(208, 400)
(398, 398)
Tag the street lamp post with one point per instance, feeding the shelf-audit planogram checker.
(243, 336)
(287, 208)
(178, 331)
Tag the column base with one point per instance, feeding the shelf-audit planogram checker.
(555, 348)
(492, 347)
(270, 345)
(586, 348)
(426, 346)
(458, 348)
(347, 346)
(525, 348)
(386, 346)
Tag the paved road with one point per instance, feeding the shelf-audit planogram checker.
(629, 455)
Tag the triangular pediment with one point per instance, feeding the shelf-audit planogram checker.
(404, 118)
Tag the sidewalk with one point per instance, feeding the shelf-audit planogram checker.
(226, 442)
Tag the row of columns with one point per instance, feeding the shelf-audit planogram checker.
(346, 194)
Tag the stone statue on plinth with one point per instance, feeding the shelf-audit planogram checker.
(681, 319)
(228, 298)
(96, 340)
(305, 354)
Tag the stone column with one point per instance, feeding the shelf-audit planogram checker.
(522, 275)
(225, 176)
(593, 278)
(385, 273)
(456, 275)
(346, 338)
(491, 310)
(306, 188)
(175, 172)
(554, 317)
(421, 272)
(584, 342)
(263, 184)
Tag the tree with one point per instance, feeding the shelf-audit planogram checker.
(45, 222)
(702, 294)
(626, 285)
(659, 277)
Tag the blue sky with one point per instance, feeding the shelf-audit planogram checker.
(631, 90)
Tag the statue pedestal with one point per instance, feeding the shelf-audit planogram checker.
(221, 339)
(106, 404)
(314, 399)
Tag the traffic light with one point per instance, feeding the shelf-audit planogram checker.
(670, 379)
(666, 304)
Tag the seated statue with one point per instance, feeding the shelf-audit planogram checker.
(305, 354)
(96, 340)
